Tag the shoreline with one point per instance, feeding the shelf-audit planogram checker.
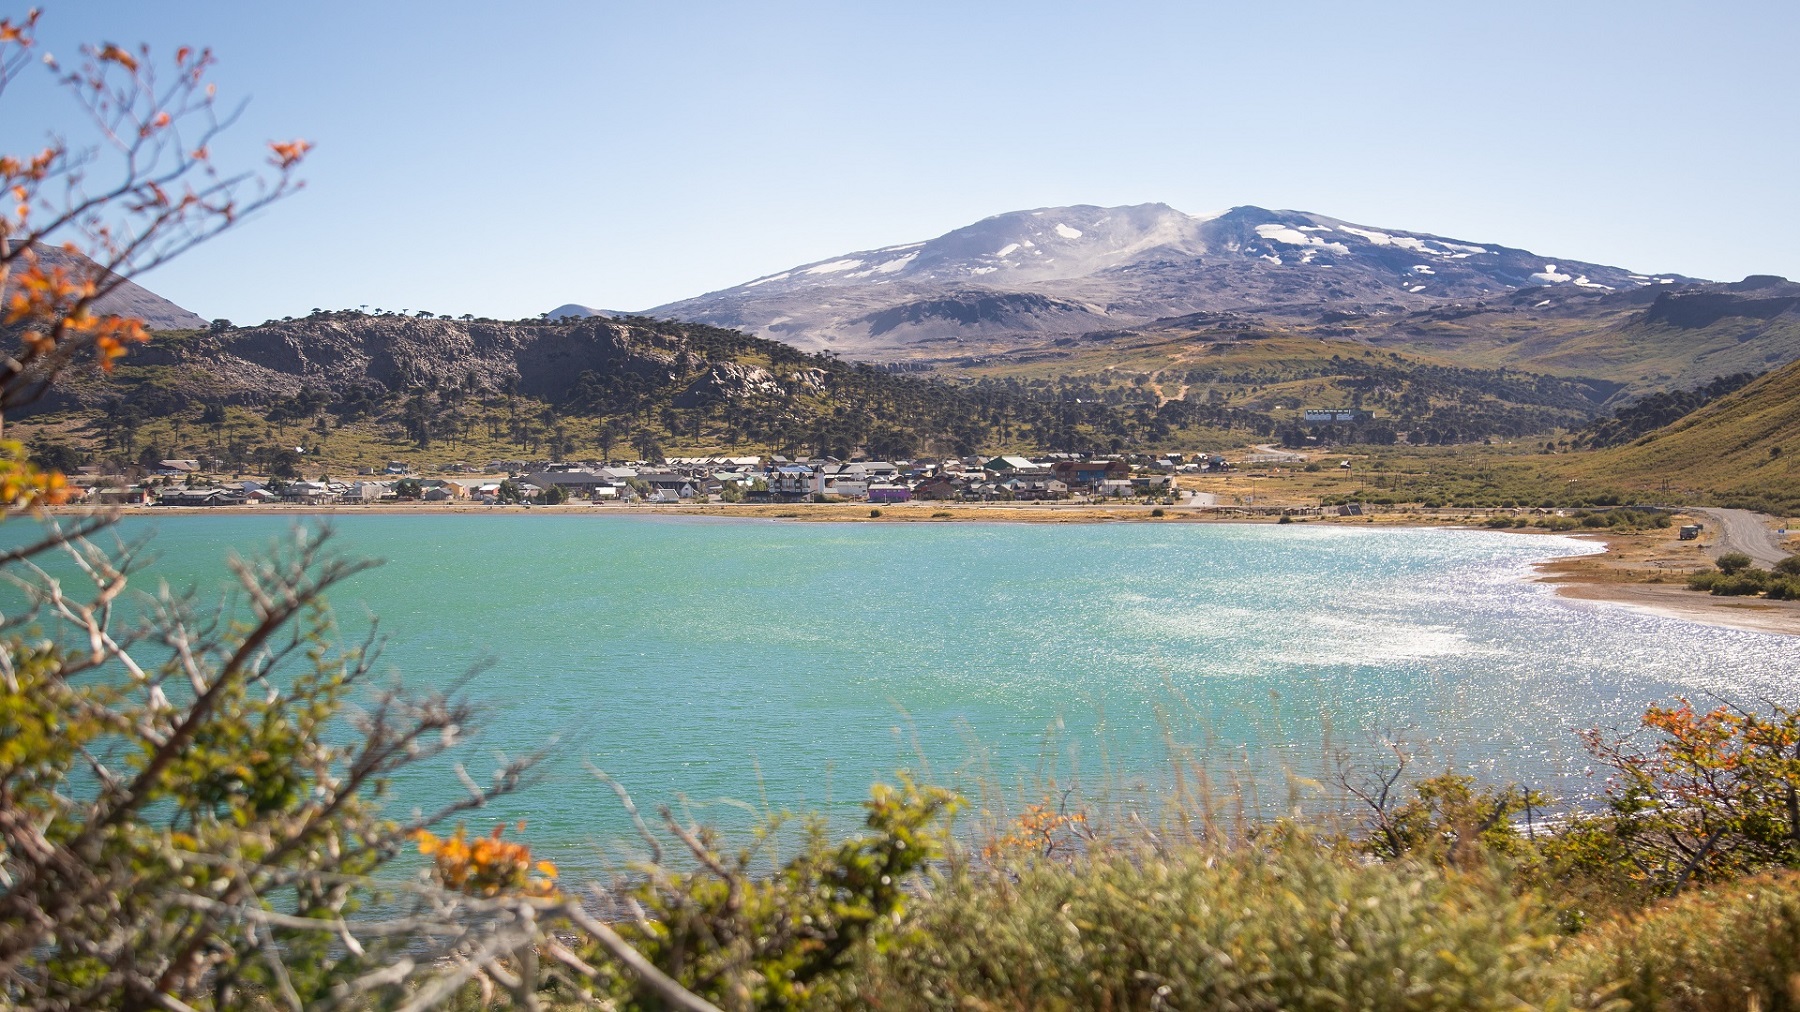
(1644, 571)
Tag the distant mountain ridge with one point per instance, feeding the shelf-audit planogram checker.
(1070, 270)
(576, 311)
(128, 299)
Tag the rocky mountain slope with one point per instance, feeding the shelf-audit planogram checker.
(128, 299)
(337, 354)
(1023, 276)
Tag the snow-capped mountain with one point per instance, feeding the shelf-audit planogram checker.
(1070, 270)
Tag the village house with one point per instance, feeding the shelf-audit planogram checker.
(313, 493)
(218, 496)
(937, 488)
(1152, 484)
(670, 487)
(1035, 488)
(1016, 467)
(120, 495)
(1088, 474)
(573, 482)
(791, 481)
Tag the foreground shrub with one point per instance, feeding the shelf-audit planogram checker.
(782, 940)
(1734, 947)
(1449, 818)
(1292, 925)
(1714, 796)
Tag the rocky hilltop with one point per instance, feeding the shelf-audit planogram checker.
(343, 355)
(1027, 275)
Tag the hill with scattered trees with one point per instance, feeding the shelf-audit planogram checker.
(1742, 448)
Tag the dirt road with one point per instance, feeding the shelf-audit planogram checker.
(1746, 532)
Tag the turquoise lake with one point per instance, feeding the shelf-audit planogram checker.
(790, 664)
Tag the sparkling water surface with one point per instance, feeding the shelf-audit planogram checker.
(790, 664)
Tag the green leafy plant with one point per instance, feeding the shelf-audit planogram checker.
(784, 939)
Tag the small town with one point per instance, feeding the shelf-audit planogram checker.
(1004, 478)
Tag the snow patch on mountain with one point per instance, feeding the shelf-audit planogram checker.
(1277, 232)
(1452, 250)
(835, 266)
(1066, 232)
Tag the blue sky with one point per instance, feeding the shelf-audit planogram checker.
(502, 159)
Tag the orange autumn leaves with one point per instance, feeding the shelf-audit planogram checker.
(53, 306)
(1725, 740)
(1041, 830)
(23, 485)
(486, 866)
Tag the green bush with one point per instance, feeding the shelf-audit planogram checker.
(1733, 562)
(1730, 948)
(1704, 579)
(1783, 589)
(782, 940)
(1294, 924)
(1748, 583)
(1789, 566)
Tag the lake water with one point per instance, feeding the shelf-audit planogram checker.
(790, 664)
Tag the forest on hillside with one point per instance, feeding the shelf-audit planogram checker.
(665, 387)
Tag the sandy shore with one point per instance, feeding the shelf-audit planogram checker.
(1648, 570)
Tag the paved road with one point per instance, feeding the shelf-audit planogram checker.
(1746, 532)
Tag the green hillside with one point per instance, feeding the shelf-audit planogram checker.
(1743, 448)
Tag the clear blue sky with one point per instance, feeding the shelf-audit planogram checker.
(502, 159)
